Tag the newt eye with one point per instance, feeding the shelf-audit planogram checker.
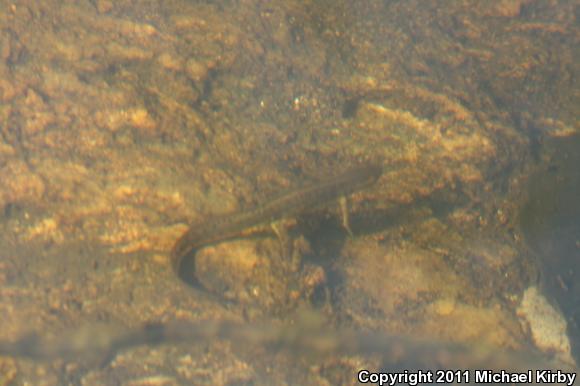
(350, 107)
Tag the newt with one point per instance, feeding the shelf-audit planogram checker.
(288, 204)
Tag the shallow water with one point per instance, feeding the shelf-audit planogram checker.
(551, 222)
(121, 125)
